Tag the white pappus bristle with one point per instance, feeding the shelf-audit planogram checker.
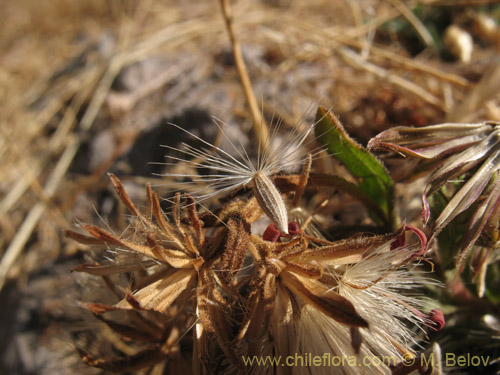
(229, 173)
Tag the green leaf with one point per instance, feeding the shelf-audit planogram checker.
(372, 177)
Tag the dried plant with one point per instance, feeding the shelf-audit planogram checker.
(341, 298)
(246, 256)
(207, 285)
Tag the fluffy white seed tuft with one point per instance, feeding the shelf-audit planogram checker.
(229, 173)
(375, 289)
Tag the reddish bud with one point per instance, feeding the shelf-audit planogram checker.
(272, 233)
(437, 321)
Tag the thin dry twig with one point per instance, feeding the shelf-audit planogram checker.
(332, 40)
(259, 125)
(354, 59)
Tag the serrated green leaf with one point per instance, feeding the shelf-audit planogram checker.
(373, 179)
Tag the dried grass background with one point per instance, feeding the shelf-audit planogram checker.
(88, 86)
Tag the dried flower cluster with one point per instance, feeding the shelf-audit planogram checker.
(199, 291)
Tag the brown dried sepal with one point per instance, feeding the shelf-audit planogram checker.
(236, 240)
(159, 295)
(109, 269)
(129, 332)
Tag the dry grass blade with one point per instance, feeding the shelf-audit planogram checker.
(357, 61)
(259, 126)
(16, 246)
(484, 91)
(56, 141)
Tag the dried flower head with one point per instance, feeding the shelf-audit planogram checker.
(342, 298)
(212, 290)
(209, 285)
(163, 264)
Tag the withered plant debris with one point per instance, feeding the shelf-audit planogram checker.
(200, 289)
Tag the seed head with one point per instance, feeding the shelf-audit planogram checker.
(230, 173)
